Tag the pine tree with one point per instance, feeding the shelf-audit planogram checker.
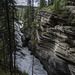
(7, 19)
(32, 11)
(49, 2)
(29, 13)
(56, 4)
(43, 3)
(52, 1)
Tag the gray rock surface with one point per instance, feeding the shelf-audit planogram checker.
(56, 43)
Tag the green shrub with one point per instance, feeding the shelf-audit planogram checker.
(34, 25)
(34, 42)
(73, 21)
(63, 2)
(7, 72)
(56, 4)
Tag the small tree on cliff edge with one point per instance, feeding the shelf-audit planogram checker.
(43, 3)
(56, 4)
(59, 3)
(50, 2)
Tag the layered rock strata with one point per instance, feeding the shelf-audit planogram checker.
(56, 42)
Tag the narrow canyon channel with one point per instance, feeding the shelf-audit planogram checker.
(25, 63)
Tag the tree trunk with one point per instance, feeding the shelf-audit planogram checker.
(10, 50)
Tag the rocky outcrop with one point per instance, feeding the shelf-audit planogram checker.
(56, 42)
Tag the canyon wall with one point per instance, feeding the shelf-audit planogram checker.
(56, 41)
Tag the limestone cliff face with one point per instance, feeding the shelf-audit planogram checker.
(56, 42)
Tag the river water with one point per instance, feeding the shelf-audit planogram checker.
(24, 63)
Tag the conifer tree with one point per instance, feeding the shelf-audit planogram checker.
(43, 3)
(7, 19)
(49, 2)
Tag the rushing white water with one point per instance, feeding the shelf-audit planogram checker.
(24, 63)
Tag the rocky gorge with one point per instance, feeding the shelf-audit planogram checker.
(55, 45)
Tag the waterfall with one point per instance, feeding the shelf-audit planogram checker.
(24, 63)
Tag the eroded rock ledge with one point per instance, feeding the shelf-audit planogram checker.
(56, 42)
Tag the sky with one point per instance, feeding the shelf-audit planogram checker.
(24, 2)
